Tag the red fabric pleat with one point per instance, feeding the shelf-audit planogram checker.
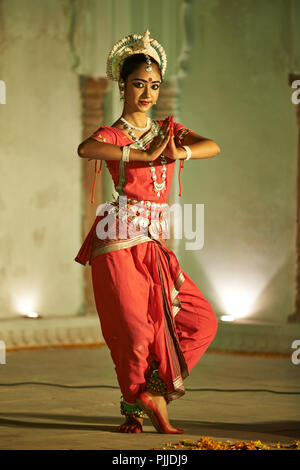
(135, 313)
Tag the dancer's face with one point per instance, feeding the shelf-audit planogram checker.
(142, 89)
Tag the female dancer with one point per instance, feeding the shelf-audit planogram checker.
(154, 319)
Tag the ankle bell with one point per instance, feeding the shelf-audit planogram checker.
(130, 410)
(156, 384)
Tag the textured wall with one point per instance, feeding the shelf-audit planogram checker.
(237, 93)
(40, 178)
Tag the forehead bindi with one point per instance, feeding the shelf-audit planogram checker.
(149, 79)
(142, 75)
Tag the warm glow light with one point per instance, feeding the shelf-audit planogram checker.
(32, 315)
(26, 302)
(227, 318)
(25, 306)
(237, 301)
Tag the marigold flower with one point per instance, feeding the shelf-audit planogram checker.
(208, 443)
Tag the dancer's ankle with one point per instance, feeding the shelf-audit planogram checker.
(156, 386)
(155, 394)
(130, 410)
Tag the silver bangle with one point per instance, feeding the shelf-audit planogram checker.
(188, 151)
(125, 153)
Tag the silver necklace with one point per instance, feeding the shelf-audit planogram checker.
(127, 125)
(158, 187)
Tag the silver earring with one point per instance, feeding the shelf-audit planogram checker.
(122, 92)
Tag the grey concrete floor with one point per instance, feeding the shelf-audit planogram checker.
(74, 401)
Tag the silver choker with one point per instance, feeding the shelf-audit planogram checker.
(133, 127)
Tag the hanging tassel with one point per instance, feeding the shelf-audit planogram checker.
(181, 166)
(95, 178)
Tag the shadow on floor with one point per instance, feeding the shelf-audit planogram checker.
(290, 429)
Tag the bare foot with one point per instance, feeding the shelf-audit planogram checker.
(161, 405)
(131, 425)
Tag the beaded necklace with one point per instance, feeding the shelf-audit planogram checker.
(158, 187)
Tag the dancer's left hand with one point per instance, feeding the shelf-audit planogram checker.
(171, 150)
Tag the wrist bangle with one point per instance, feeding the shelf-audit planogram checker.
(188, 152)
(125, 153)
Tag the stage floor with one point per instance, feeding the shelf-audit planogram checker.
(69, 399)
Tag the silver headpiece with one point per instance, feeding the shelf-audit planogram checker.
(135, 44)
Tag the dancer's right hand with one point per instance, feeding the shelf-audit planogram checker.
(159, 142)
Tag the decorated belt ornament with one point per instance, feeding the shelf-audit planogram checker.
(151, 214)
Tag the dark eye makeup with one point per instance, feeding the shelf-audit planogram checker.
(136, 84)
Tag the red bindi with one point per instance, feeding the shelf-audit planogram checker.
(149, 79)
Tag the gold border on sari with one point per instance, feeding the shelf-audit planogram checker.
(177, 358)
(118, 245)
(176, 305)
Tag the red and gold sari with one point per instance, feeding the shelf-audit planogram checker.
(149, 309)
